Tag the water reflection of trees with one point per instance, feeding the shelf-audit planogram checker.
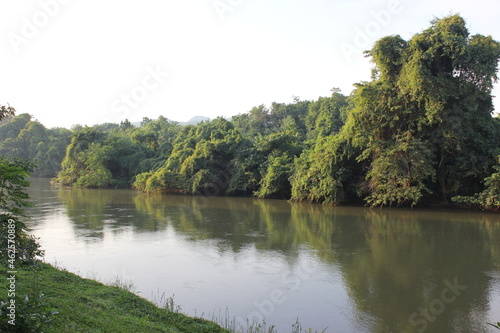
(400, 263)
(393, 261)
(95, 209)
(236, 222)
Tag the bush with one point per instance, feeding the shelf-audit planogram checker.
(15, 242)
(489, 198)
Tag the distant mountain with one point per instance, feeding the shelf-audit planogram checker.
(195, 120)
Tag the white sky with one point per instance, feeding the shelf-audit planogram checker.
(75, 62)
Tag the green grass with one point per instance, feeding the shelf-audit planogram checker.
(89, 306)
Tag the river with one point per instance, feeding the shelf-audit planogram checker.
(346, 269)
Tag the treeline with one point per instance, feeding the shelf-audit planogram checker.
(25, 138)
(421, 130)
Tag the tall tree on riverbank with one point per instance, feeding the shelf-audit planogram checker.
(424, 122)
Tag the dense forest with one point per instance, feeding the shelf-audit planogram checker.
(25, 138)
(420, 131)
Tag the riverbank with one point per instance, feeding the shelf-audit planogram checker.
(85, 305)
(426, 204)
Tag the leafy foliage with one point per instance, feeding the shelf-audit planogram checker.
(112, 156)
(24, 138)
(420, 130)
(320, 173)
(14, 178)
(13, 181)
(429, 99)
(33, 313)
(489, 198)
(275, 181)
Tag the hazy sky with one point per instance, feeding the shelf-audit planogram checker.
(87, 62)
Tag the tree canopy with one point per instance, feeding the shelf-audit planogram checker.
(24, 138)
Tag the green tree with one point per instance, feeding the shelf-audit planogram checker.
(246, 168)
(11, 126)
(97, 158)
(275, 182)
(320, 173)
(157, 138)
(75, 163)
(430, 98)
(208, 168)
(277, 151)
(490, 197)
(327, 115)
(297, 111)
(14, 178)
(95, 172)
(24, 138)
(201, 160)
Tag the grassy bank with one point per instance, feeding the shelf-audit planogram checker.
(89, 306)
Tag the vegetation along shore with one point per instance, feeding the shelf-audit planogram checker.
(420, 132)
